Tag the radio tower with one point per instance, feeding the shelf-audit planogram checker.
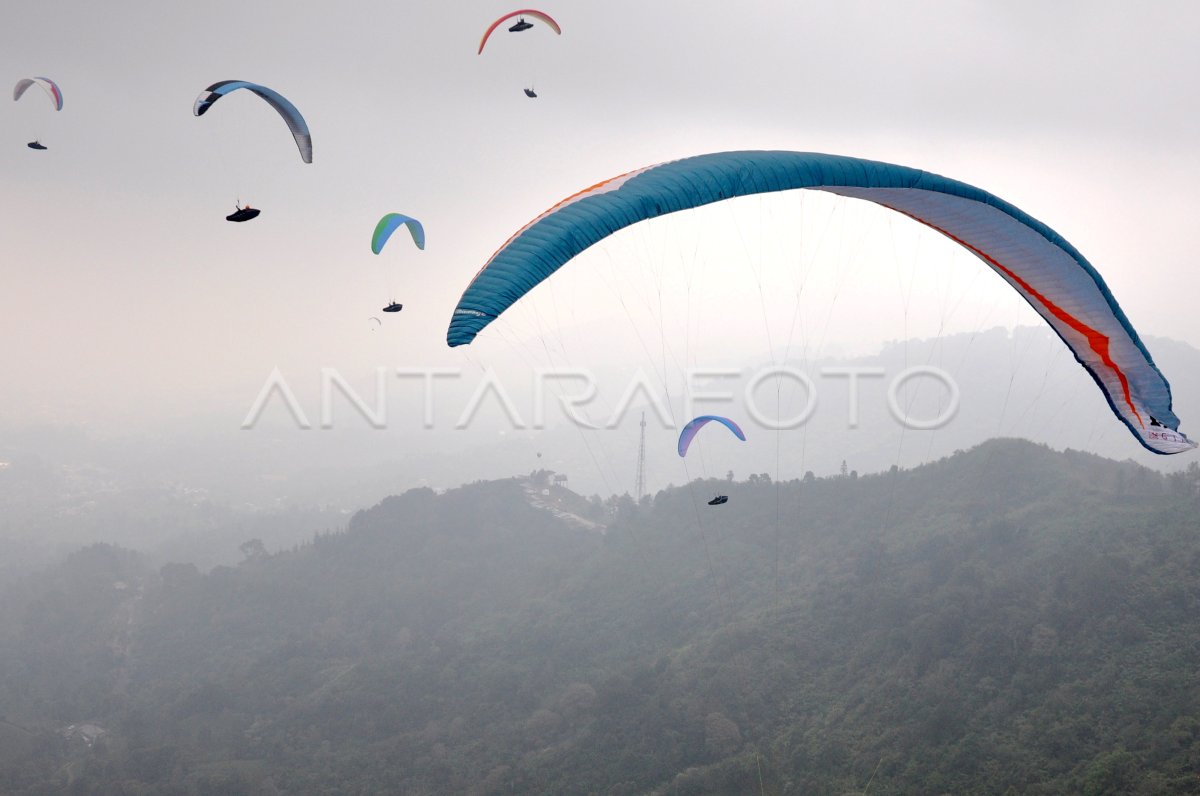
(640, 484)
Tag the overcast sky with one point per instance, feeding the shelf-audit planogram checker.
(130, 301)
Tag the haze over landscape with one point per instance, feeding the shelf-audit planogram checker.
(259, 536)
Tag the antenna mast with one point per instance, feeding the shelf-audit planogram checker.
(640, 481)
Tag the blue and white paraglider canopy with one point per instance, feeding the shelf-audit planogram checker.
(1037, 262)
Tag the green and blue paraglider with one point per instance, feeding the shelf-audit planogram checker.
(383, 233)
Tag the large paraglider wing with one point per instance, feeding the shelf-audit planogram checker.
(289, 112)
(1045, 269)
(690, 431)
(524, 12)
(48, 85)
(389, 224)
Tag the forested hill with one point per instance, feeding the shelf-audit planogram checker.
(1007, 620)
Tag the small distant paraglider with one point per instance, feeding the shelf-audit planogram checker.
(689, 433)
(290, 114)
(521, 25)
(52, 91)
(383, 233)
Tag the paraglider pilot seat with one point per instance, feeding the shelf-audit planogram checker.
(243, 214)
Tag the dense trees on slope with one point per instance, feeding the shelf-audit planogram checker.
(1008, 619)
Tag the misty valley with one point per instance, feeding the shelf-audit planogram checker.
(1007, 619)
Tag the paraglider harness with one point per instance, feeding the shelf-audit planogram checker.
(393, 307)
(719, 500)
(520, 26)
(243, 214)
(36, 145)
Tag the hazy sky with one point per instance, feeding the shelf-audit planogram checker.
(129, 300)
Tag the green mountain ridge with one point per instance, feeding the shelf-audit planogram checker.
(1009, 619)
